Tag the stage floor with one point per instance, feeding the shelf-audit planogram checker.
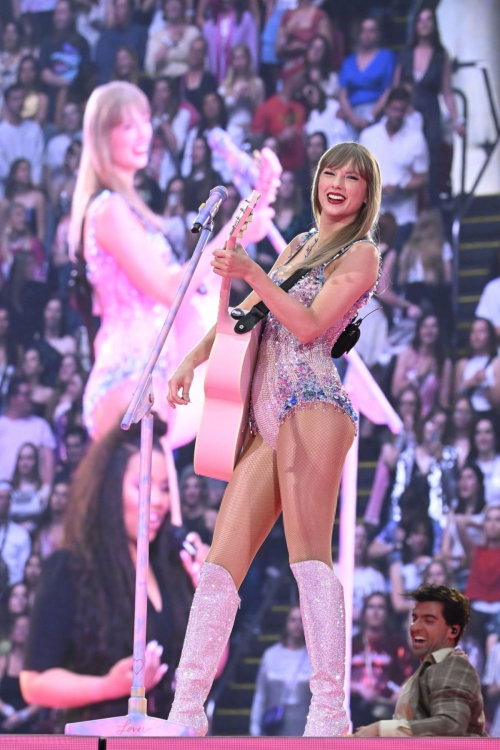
(56, 742)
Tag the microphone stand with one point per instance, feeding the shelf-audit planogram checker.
(137, 723)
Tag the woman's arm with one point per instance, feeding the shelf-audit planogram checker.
(458, 386)
(40, 209)
(445, 386)
(493, 391)
(346, 107)
(43, 106)
(400, 380)
(399, 603)
(353, 276)
(449, 99)
(388, 295)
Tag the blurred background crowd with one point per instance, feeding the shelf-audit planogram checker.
(296, 76)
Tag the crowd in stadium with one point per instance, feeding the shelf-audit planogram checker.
(297, 77)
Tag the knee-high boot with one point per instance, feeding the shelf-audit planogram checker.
(323, 616)
(210, 623)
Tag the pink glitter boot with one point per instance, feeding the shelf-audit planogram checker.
(210, 623)
(322, 607)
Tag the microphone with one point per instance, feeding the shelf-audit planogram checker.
(207, 211)
(177, 536)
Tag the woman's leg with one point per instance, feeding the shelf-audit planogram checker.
(249, 509)
(312, 446)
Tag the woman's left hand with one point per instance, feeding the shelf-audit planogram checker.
(232, 264)
(192, 565)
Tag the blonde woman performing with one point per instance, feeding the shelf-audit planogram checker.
(302, 426)
(130, 267)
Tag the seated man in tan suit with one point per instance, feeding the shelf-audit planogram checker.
(443, 697)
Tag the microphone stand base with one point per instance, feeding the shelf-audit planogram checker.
(134, 724)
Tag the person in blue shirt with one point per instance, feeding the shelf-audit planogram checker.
(366, 78)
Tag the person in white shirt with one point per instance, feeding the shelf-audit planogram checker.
(18, 426)
(15, 542)
(489, 304)
(323, 115)
(19, 139)
(403, 156)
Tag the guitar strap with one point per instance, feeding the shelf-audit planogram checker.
(248, 320)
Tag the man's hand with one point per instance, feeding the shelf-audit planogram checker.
(370, 731)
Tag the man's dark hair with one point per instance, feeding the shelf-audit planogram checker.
(456, 606)
(14, 386)
(12, 90)
(399, 94)
(77, 431)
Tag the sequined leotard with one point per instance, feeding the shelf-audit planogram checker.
(130, 323)
(290, 375)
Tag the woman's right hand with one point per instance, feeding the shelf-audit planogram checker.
(181, 379)
(118, 681)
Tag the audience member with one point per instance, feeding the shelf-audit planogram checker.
(57, 147)
(491, 681)
(425, 366)
(323, 115)
(483, 585)
(478, 376)
(468, 511)
(170, 125)
(122, 33)
(177, 221)
(489, 304)
(241, 88)
(29, 497)
(64, 60)
(213, 115)
(10, 55)
(299, 27)
(283, 679)
(19, 139)
(50, 534)
(18, 716)
(404, 162)
(76, 443)
(443, 698)
(197, 80)
(318, 60)
(381, 661)
(168, 47)
(19, 426)
(365, 78)
(202, 177)
(229, 25)
(36, 101)
(425, 266)
(367, 579)
(126, 68)
(8, 355)
(193, 492)
(416, 556)
(52, 342)
(91, 19)
(425, 65)
(283, 117)
(20, 188)
(15, 543)
(61, 189)
(486, 456)
(459, 430)
(437, 573)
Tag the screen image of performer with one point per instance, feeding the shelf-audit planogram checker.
(301, 427)
(131, 269)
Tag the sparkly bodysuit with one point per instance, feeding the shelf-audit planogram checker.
(130, 320)
(290, 375)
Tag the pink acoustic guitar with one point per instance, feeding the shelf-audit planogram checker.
(228, 379)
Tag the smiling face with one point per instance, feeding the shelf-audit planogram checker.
(160, 495)
(22, 175)
(479, 337)
(369, 35)
(436, 574)
(341, 192)
(18, 599)
(316, 51)
(462, 414)
(428, 330)
(425, 24)
(429, 631)
(27, 72)
(129, 141)
(468, 485)
(484, 436)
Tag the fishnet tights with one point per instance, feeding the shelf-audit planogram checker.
(301, 478)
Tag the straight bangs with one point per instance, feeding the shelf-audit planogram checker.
(363, 225)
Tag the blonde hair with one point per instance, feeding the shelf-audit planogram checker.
(106, 108)
(363, 224)
(425, 244)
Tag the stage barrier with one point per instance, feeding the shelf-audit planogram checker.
(60, 742)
